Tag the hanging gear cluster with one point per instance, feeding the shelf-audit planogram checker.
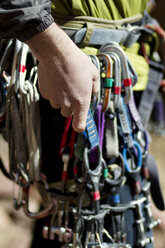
(110, 160)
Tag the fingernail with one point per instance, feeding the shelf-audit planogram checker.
(79, 128)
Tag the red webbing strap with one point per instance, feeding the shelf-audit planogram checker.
(65, 136)
(72, 143)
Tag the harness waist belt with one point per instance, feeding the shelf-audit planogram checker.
(126, 36)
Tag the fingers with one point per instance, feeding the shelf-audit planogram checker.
(42, 91)
(66, 112)
(79, 117)
(71, 92)
(81, 111)
(55, 105)
(66, 106)
(95, 86)
(95, 83)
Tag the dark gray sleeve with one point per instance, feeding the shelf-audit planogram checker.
(24, 18)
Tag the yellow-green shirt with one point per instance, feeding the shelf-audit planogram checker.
(111, 10)
(106, 9)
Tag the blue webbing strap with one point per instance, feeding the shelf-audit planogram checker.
(90, 134)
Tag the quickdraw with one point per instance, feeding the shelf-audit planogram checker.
(114, 47)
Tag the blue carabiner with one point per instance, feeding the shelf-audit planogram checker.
(139, 156)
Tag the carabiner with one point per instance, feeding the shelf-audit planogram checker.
(20, 176)
(96, 62)
(22, 68)
(114, 47)
(97, 170)
(33, 75)
(25, 206)
(142, 138)
(138, 155)
(117, 79)
(115, 182)
(108, 80)
(25, 177)
(14, 73)
(94, 176)
(132, 72)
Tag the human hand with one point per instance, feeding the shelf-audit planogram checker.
(67, 77)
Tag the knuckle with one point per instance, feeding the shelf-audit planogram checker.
(66, 112)
(54, 105)
(82, 102)
(66, 104)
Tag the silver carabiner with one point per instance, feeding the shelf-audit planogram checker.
(22, 68)
(133, 73)
(114, 47)
(38, 215)
(117, 78)
(14, 72)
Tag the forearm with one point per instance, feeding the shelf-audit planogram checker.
(52, 42)
(23, 19)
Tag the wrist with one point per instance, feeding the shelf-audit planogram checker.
(50, 42)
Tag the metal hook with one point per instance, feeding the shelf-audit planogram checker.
(22, 67)
(121, 178)
(108, 80)
(14, 74)
(25, 205)
(114, 47)
(94, 176)
(17, 200)
(139, 158)
(117, 76)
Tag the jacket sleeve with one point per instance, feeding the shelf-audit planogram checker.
(24, 18)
